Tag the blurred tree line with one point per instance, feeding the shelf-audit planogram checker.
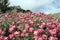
(4, 7)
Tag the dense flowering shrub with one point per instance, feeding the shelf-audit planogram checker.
(29, 26)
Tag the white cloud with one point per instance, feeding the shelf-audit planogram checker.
(29, 4)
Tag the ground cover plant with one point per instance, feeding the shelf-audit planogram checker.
(29, 26)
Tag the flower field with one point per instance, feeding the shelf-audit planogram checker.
(29, 26)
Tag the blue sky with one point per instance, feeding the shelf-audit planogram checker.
(46, 6)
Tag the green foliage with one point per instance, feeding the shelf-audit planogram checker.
(4, 5)
(57, 15)
(28, 10)
(5, 23)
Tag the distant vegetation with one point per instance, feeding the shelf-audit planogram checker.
(57, 15)
(4, 7)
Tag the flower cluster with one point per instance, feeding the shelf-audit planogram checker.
(30, 26)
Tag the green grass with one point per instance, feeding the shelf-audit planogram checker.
(57, 15)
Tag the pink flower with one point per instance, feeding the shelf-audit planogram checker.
(43, 23)
(18, 27)
(13, 23)
(53, 32)
(16, 34)
(38, 24)
(5, 38)
(53, 25)
(40, 38)
(11, 30)
(41, 31)
(44, 37)
(22, 34)
(36, 33)
(11, 36)
(1, 38)
(31, 29)
(35, 37)
(41, 26)
(0, 31)
(53, 38)
(49, 26)
(24, 31)
(13, 26)
(26, 34)
(26, 27)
